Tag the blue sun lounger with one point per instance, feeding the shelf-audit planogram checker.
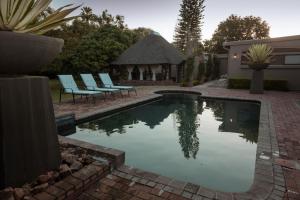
(69, 86)
(107, 82)
(91, 84)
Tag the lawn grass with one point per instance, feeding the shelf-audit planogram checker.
(55, 87)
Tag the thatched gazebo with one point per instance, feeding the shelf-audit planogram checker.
(152, 58)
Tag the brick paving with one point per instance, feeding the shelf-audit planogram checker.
(286, 117)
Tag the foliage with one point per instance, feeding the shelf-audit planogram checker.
(196, 82)
(201, 70)
(259, 54)
(141, 32)
(210, 66)
(186, 117)
(189, 24)
(213, 65)
(83, 28)
(242, 83)
(98, 49)
(236, 28)
(189, 69)
(23, 16)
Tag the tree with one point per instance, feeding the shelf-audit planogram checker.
(187, 118)
(79, 35)
(141, 32)
(236, 28)
(99, 48)
(189, 24)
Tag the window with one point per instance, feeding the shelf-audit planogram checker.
(292, 60)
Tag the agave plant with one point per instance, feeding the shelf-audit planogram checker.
(21, 16)
(259, 54)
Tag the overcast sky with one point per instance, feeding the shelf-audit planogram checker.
(161, 15)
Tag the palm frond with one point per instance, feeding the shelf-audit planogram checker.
(20, 16)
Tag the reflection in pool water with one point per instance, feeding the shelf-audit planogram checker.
(204, 141)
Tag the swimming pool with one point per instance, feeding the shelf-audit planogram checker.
(210, 142)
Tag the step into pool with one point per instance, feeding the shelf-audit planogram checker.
(209, 142)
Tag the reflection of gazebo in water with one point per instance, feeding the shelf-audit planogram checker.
(152, 58)
(154, 114)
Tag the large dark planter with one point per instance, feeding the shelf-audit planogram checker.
(26, 53)
(257, 82)
(28, 135)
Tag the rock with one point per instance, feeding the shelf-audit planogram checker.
(39, 188)
(68, 158)
(19, 193)
(64, 170)
(76, 166)
(7, 194)
(44, 178)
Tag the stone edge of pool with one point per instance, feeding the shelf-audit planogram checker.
(268, 178)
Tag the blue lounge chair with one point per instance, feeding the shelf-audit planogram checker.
(91, 84)
(107, 82)
(70, 87)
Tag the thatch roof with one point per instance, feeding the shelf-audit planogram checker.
(153, 49)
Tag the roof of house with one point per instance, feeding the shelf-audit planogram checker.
(153, 49)
(267, 40)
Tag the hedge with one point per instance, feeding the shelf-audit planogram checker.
(240, 83)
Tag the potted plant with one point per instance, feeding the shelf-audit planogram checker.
(28, 133)
(259, 57)
(21, 35)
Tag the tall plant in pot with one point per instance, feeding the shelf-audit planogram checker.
(259, 57)
(28, 135)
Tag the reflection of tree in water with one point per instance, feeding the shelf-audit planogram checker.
(217, 107)
(186, 116)
(237, 117)
(113, 124)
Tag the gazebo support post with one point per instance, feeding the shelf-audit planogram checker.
(129, 69)
(154, 70)
(141, 69)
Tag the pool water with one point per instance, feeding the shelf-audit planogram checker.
(208, 142)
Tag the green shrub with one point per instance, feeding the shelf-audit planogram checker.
(241, 83)
(184, 84)
(281, 85)
(238, 83)
(196, 82)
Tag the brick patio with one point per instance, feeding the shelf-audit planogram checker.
(286, 124)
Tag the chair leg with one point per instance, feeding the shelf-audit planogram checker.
(73, 98)
(94, 98)
(128, 93)
(60, 96)
(135, 92)
(121, 94)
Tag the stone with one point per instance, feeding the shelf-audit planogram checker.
(39, 188)
(19, 193)
(64, 170)
(44, 178)
(75, 166)
(7, 194)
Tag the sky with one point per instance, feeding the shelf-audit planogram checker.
(161, 15)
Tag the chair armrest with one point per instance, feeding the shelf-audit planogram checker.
(107, 85)
(93, 87)
(68, 89)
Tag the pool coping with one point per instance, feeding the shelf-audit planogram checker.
(268, 181)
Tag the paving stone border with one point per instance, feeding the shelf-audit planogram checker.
(268, 182)
(75, 184)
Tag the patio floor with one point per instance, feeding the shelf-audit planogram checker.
(286, 115)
